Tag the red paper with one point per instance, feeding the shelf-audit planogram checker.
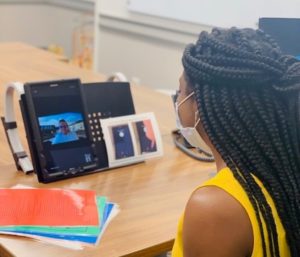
(48, 207)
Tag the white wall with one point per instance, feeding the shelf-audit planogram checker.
(143, 60)
(147, 49)
(25, 22)
(40, 23)
(218, 13)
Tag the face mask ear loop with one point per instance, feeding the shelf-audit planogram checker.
(185, 99)
(196, 124)
(196, 120)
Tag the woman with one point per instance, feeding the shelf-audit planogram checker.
(242, 97)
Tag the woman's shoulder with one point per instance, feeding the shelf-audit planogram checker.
(214, 223)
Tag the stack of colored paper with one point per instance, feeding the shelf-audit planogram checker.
(71, 218)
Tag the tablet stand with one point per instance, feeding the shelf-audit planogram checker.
(21, 158)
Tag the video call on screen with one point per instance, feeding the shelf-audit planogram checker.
(62, 128)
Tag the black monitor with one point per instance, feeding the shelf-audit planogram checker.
(286, 31)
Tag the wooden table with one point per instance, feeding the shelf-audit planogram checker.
(151, 195)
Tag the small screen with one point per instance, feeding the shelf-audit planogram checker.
(285, 31)
(62, 128)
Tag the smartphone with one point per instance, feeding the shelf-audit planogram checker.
(61, 138)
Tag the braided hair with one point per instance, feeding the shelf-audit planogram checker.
(247, 94)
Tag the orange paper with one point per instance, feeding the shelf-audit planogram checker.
(48, 207)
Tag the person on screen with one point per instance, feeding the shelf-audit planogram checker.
(240, 95)
(64, 134)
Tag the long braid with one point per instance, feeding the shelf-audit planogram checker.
(240, 164)
(247, 94)
(202, 98)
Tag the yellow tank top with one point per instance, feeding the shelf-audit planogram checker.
(226, 181)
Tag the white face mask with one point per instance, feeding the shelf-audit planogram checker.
(190, 133)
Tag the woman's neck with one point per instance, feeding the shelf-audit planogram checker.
(220, 164)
